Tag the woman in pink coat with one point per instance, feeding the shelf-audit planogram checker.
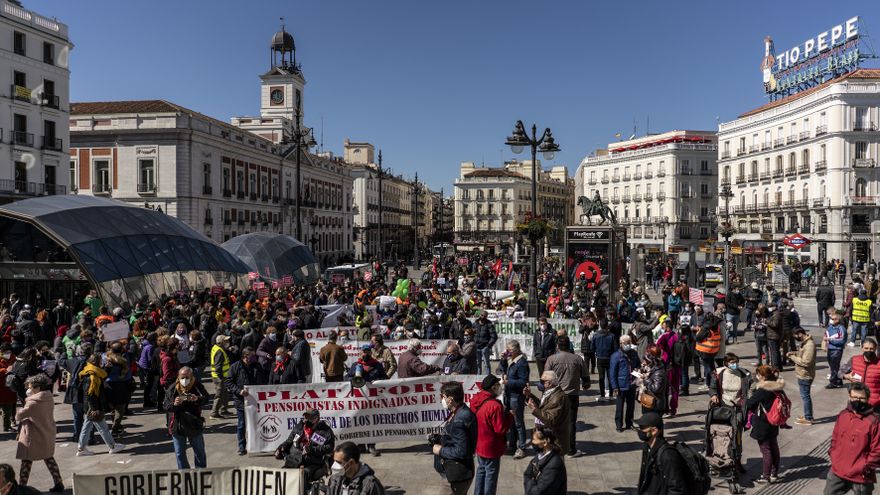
(666, 343)
(36, 440)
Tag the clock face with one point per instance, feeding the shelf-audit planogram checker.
(277, 96)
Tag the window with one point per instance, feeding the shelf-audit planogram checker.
(822, 152)
(792, 160)
(780, 224)
(861, 118)
(19, 79)
(146, 175)
(226, 180)
(767, 138)
(18, 42)
(704, 189)
(805, 157)
(861, 187)
(21, 177)
(206, 174)
(252, 184)
(49, 139)
(102, 175)
(48, 53)
(73, 175)
(754, 167)
(704, 165)
(239, 181)
(779, 164)
(861, 150)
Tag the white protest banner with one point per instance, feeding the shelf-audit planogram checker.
(433, 352)
(523, 330)
(209, 481)
(383, 411)
(117, 330)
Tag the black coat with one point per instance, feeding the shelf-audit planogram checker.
(320, 447)
(240, 376)
(301, 358)
(460, 440)
(485, 334)
(283, 376)
(74, 392)
(825, 296)
(663, 471)
(759, 403)
(545, 476)
(544, 345)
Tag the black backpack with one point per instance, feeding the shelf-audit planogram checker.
(680, 353)
(699, 481)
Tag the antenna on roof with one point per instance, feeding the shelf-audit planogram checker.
(648, 126)
(322, 133)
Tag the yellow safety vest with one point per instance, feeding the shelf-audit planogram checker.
(214, 351)
(861, 312)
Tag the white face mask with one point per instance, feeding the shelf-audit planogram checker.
(185, 382)
(444, 402)
(29, 392)
(7, 355)
(336, 467)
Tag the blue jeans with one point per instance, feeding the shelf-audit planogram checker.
(834, 357)
(517, 435)
(750, 314)
(804, 386)
(240, 430)
(79, 416)
(198, 445)
(483, 354)
(685, 379)
(734, 321)
(486, 481)
(861, 329)
(102, 428)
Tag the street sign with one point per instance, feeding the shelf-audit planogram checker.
(796, 241)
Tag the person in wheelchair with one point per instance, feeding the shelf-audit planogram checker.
(309, 446)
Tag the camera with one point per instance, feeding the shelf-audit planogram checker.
(434, 439)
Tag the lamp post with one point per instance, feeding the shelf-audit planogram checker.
(727, 231)
(517, 142)
(302, 138)
(416, 190)
(380, 172)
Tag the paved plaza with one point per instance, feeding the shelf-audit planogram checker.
(611, 465)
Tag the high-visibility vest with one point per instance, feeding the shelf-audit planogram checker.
(214, 351)
(712, 344)
(861, 312)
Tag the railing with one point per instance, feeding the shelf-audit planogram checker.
(725, 154)
(822, 129)
(753, 148)
(705, 195)
(766, 145)
(777, 173)
(863, 126)
(707, 171)
(149, 188)
(821, 165)
(766, 175)
(637, 176)
(804, 168)
(101, 188)
(820, 202)
(209, 221)
(740, 151)
(239, 194)
(649, 197)
(737, 209)
(861, 229)
(615, 178)
(661, 196)
(778, 142)
(22, 138)
(661, 173)
(705, 218)
(207, 190)
(637, 198)
(804, 135)
(823, 229)
(51, 101)
(605, 180)
(863, 163)
(741, 179)
(864, 200)
(687, 194)
(277, 199)
(55, 190)
(649, 175)
(52, 143)
(686, 171)
(227, 221)
(626, 198)
(241, 221)
(753, 177)
(801, 203)
(591, 182)
(791, 139)
(264, 198)
(227, 193)
(627, 177)
(615, 199)
(253, 196)
(789, 171)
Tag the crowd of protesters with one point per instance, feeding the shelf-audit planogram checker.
(641, 348)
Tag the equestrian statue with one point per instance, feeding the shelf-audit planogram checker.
(596, 207)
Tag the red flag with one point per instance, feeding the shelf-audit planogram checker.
(695, 296)
(434, 268)
(497, 267)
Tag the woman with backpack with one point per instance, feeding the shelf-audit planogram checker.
(766, 409)
(673, 355)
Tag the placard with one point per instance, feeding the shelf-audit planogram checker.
(117, 330)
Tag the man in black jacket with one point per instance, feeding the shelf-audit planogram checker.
(825, 299)
(241, 374)
(309, 446)
(74, 393)
(485, 337)
(454, 454)
(543, 344)
(753, 297)
(663, 469)
(355, 477)
(733, 302)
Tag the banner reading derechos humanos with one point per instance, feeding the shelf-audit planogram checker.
(382, 411)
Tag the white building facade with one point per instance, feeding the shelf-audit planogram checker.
(34, 130)
(662, 187)
(807, 163)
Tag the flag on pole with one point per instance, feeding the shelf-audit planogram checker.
(497, 267)
(695, 296)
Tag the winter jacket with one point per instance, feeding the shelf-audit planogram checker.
(170, 367)
(544, 343)
(805, 360)
(455, 364)
(333, 358)
(554, 412)
(386, 357)
(825, 296)
(836, 338)
(666, 343)
(603, 344)
(586, 339)
(459, 442)
(867, 373)
(266, 352)
(759, 403)
(655, 382)
(734, 302)
(855, 446)
(492, 425)
(283, 373)
(37, 428)
(376, 372)
(363, 482)
(753, 298)
(485, 334)
(622, 365)
(745, 385)
(192, 407)
(146, 356)
(776, 324)
(7, 395)
(301, 358)
(410, 365)
(545, 476)
(663, 471)
(517, 375)
(673, 303)
(240, 376)
(570, 369)
(318, 450)
(644, 336)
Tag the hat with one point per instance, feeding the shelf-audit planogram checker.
(800, 330)
(650, 420)
(366, 347)
(291, 324)
(754, 285)
(222, 339)
(490, 381)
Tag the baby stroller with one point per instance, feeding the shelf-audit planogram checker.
(724, 444)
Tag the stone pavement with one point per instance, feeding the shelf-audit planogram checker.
(611, 466)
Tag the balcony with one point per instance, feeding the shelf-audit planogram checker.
(766, 230)
(864, 200)
(790, 171)
(804, 168)
(791, 139)
(264, 198)
(863, 126)
(627, 198)
(591, 182)
(239, 194)
(627, 177)
(50, 101)
(101, 189)
(227, 221)
(241, 220)
(754, 177)
(740, 151)
(823, 229)
(788, 203)
(821, 165)
(661, 173)
(777, 173)
(705, 218)
(705, 195)
(687, 194)
(605, 180)
(803, 136)
(707, 171)
(637, 198)
(753, 148)
(740, 179)
(615, 178)
(277, 199)
(20, 138)
(227, 193)
(686, 171)
(802, 204)
(649, 175)
(724, 182)
(209, 221)
(146, 189)
(207, 190)
(820, 202)
(821, 129)
(766, 175)
(661, 196)
(615, 199)
(778, 142)
(766, 146)
(649, 197)
(253, 196)
(739, 209)
(52, 143)
(725, 154)
(55, 190)
(21, 93)
(863, 163)
(637, 176)
(861, 229)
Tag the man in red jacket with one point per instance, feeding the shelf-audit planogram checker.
(865, 368)
(855, 446)
(492, 427)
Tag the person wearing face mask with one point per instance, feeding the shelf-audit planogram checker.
(37, 430)
(865, 368)
(454, 448)
(769, 386)
(552, 409)
(514, 369)
(309, 446)
(411, 365)
(91, 383)
(8, 485)
(469, 349)
(283, 372)
(543, 343)
(493, 423)
(7, 395)
(855, 446)
(485, 337)
(624, 360)
(454, 363)
(546, 473)
(184, 400)
(242, 374)
(332, 358)
(350, 475)
(168, 367)
(266, 353)
(301, 356)
(805, 367)
(663, 470)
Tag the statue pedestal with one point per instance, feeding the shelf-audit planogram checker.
(595, 255)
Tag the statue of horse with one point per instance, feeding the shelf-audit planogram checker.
(595, 207)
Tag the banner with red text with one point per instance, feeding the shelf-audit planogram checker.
(383, 411)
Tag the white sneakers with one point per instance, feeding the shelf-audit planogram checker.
(850, 344)
(84, 453)
(117, 448)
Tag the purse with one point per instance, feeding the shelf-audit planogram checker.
(457, 470)
(648, 400)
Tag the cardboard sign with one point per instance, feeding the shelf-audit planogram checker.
(117, 330)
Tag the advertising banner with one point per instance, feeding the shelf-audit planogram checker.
(209, 481)
(382, 411)
(433, 352)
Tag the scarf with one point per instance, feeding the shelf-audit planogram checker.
(98, 375)
(279, 366)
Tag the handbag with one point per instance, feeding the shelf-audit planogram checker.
(187, 424)
(648, 400)
(457, 470)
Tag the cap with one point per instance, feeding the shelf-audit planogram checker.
(754, 285)
(800, 330)
(222, 339)
(366, 347)
(650, 420)
(490, 381)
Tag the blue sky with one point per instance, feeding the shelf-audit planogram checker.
(436, 83)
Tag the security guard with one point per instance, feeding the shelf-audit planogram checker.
(219, 372)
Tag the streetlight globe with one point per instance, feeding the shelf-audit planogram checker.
(549, 155)
(516, 149)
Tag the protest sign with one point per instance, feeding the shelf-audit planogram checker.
(433, 351)
(523, 330)
(209, 481)
(383, 411)
(117, 330)
(217, 289)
